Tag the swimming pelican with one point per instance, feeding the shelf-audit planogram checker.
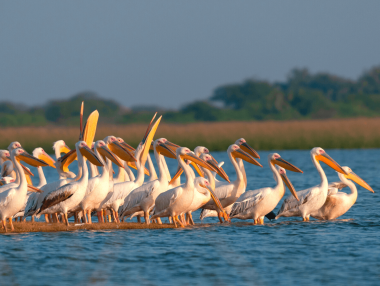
(143, 197)
(98, 186)
(228, 193)
(312, 199)
(12, 200)
(258, 203)
(176, 201)
(338, 203)
(70, 195)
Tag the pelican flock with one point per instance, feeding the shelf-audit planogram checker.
(95, 190)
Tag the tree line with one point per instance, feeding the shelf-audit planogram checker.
(302, 95)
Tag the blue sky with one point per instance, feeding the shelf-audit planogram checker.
(169, 53)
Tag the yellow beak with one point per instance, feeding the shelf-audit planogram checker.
(239, 153)
(248, 149)
(104, 151)
(47, 159)
(352, 176)
(289, 185)
(220, 170)
(91, 156)
(123, 153)
(286, 165)
(133, 165)
(31, 160)
(330, 162)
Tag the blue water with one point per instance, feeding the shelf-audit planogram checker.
(345, 251)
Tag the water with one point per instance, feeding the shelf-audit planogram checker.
(287, 251)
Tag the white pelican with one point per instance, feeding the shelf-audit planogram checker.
(248, 149)
(61, 147)
(201, 195)
(176, 201)
(258, 203)
(338, 203)
(143, 197)
(70, 195)
(98, 187)
(228, 193)
(12, 200)
(312, 199)
(122, 190)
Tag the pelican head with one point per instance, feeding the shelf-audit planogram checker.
(245, 147)
(185, 153)
(61, 147)
(88, 153)
(14, 145)
(42, 155)
(352, 176)
(102, 148)
(287, 182)
(275, 159)
(211, 161)
(21, 155)
(125, 145)
(118, 149)
(201, 150)
(163, 146)
(237, 152)
(320, 155)
(4, 155)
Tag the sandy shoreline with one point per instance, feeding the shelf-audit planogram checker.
(24, 227)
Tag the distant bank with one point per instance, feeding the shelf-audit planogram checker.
(262, 135)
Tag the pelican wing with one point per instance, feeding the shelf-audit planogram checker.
(168, 198)
(250, 200)
(138, 195)
(31, 204)
(223, 190)
(60, 195)
(291, 202)
(338, 185)
(6, 197)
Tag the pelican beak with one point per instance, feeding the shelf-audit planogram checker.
(133, 165)
(287, 182)
(64, 149)
(128, 147)
(104, 151)
(91, 156)
(147, 140)
(330, 162)
(193, 158)
(220, 170)
(33, 189)
(199, 170)
(239, 153)
(166, 150)
(121, 152)
(46, 158)
(151, 148)
(177, 174)
(216, 201)
(173, 147)
(352, 176)
(31, 160)
(245, 147)
(67, 159)
(286, 165)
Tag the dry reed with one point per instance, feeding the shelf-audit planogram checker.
(217, 136)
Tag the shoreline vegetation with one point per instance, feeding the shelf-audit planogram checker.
(352, 133)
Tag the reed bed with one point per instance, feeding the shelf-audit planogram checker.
(217, 136)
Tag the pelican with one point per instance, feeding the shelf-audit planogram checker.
(312, 199)
(258, 203)
(143, 197)
(61, 147)
(6, 180)
(228, 193)
(122, 190)
(12, 200)
(70, 195)
(98, 186)
(201, 195)
(338, 203)
(176, 201)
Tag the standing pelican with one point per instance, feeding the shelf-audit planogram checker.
(228, 193)
(258, 203)
(338, 203)
(312, 199)
(12, 200)
(176, 201)
(70, 195)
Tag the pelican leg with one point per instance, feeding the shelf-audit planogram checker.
(170, 219)
(191, 219)
(11, 223)
(102, 216)
(254, 221)
(4, 223)
(105, 215)
(146, 217)
(89, 216)
(175, 223)
(33, 219)
(139, 219)
(84, 216)
(220, 214)
(51, 218)
(179, 221)
(182, 216)
(98, 213)
(47, 218)
(109, 218)
(113, 216)
(159, 220)
(261, 221)
(66, 219)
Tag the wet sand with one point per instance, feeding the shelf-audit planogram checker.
(22, 227)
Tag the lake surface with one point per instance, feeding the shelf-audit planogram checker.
(345, 251)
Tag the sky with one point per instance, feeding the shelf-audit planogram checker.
(169, 53)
